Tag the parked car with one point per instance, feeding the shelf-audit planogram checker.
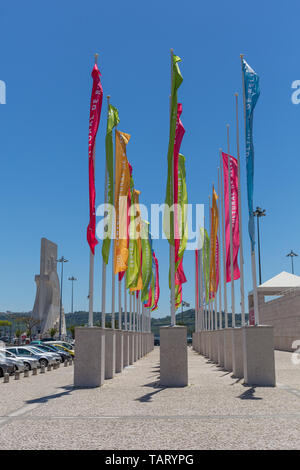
(27, 351)
(19, 364)
(50, 348)
(6, 367)
(156, 340)
(63, 348)
(53, 355)
(29, 362)
(65, 344)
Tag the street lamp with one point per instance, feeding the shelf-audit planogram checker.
(259, 213)
(72, 279)
(62, 260)
(292, 255)
(183, 304)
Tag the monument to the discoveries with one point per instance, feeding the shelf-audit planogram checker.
(47, 299)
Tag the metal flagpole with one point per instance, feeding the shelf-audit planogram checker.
(133, 311)
(210, 303)
(253, 262)
(130, 312)
(196, 288)
(125, 304)
(223, 243)
(113, 285)
(91, 274)
(240, 213)
(103, 308)
(120, 305)
(200, 289)
(219, 258)
(230, 229)
(205, 272)
(172, 247)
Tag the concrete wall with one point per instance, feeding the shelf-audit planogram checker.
(284, 315)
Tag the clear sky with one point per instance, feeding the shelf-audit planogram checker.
(46, 57)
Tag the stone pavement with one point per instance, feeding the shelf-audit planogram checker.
(131, 411)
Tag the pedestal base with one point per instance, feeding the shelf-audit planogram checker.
(259, 362)
(237, 353)
(125, 348)
(90, 357)
(228, 349)
(119, 351)
(173, 356)
(221, 348)
(110, 353)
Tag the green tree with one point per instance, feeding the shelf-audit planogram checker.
(52, 332)
(72, 330)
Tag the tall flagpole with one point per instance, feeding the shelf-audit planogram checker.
(172, 247)
(253, 262)
(125, 304)
(219, 258)
(113, 279)
(120, 305)
(209, 302)
(200, 289)
(91, 274)
(240, 212)
(223, 242)
(196, 291)
(230, 228)
(133, 311)
(130, 312)
(103, 308)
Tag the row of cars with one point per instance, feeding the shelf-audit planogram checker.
(34, 355)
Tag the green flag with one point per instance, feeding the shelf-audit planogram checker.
(112, 121)
(132, 271)
(168, 223)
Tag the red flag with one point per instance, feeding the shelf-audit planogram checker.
(234, 214)
(95, 113)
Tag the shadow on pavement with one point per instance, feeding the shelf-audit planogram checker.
(249, 394)
(46, 398)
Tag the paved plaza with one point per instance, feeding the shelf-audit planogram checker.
(131, 411)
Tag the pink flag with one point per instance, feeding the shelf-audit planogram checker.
(95, 113)
(157, 290)
(217, 263)
(234, 215)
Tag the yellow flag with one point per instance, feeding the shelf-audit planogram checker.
(213, 243)
(138, 260)
(122, 186)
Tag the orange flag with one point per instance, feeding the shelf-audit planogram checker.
(213, 243)
(122, 186)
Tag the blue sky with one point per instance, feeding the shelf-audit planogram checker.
(46, 59)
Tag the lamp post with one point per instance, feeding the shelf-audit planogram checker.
(259, 213)
(62, 260)
(183, 304)
(72, 279)
(292, 255)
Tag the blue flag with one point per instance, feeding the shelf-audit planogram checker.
(252, 92)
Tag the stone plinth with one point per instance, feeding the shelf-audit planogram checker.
(259, 363)
(125, 348)
(89, 367)
(119, 351)
(110, 353)
(131, 347)
(228, 349)
(221, 348)
(173, 356)
(237, 353)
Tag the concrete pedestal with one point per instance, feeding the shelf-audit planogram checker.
(214, 346)
(173, 356)
(237, 353)
(110, 353)
(136, 346)
(131, 347)
(90, 357)
(119, 351)
(259, 363)
(209, 344)
(221, 348)
(125, 348)
(140, 345)
(228, 349)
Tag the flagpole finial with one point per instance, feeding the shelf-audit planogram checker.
(96, 58)
(227, 125)
(241, 56)
(236, 94)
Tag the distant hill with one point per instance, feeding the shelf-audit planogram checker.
(80, 318)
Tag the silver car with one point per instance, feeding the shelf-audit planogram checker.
(12, 359)
(56, 356)
(28, 362)
(27, 351)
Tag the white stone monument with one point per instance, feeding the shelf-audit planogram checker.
(47, 300)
